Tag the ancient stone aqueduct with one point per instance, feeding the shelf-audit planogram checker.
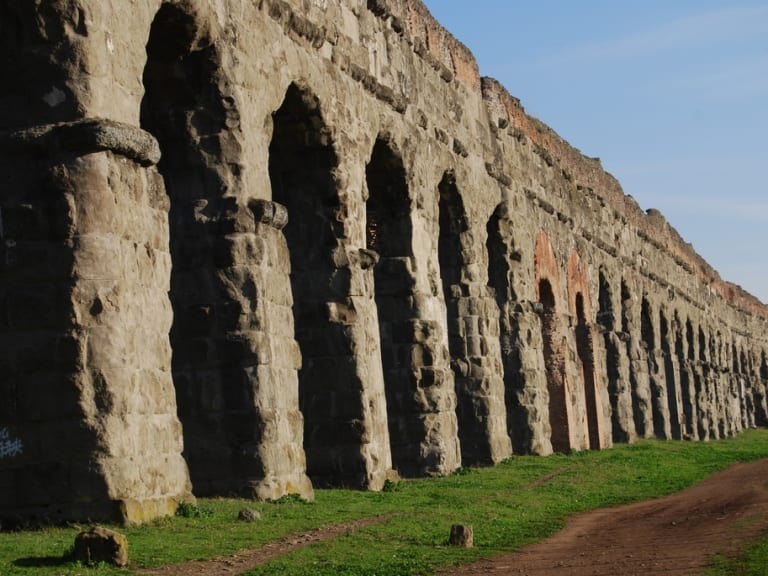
(252, 246)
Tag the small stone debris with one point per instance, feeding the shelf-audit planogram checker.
(99, 545)
(248, 515)
(462, 535)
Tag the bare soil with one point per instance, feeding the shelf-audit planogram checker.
(673, 536)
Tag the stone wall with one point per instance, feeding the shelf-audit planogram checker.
(252, 246)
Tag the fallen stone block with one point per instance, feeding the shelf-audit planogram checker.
(462, 535)
(99, 545)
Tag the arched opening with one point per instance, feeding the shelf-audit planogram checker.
(626, 308)
(501, 257)
(670, 374)
(628, 328)
(690, 340)
(687, 380)
(747, 389)
(706, 417)
(607, 320)
(698, 388)
(761, 392)
(389, 233)
(764, 367)
(718, 394)
(302, 163)
(453, 223)
(702, 346)
(646, 326)
(648, 336)
(736, 390)
(554, 361)
(605, 316)
(193, 120)
(585, 351)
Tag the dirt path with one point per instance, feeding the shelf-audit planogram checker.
(247, 559)
(673, 536)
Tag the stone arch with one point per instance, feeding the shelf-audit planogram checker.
(578, 284)
(690, 339)
(585, 351)
(702, 345)
(683, 344)
(699, 400)
(523, 422)
(708, 416)
(626, 307)
(545, 264)
(729, 380)
(758, 391)
(463, 329)
(716, 385)
(619, 393)
(389, 230)
(472, 326)
(580, 308)
(646, 325)
(189, 108)
(554, 360)
(553, 345)
(501, 254)
(658, 396)
(761, 387)
(389, 233)
(671, 374)
(747, 389)
(302, 168)
(736, 388)
(764, 366)
(718, 400)
(605, 314)
(453, 225)
(638, 376)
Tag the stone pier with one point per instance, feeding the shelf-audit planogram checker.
(257, 248)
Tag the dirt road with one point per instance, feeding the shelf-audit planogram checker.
(673, 536)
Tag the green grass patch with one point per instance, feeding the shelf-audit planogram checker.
(520, 501)
(754, 562)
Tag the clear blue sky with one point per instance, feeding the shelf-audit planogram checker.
(672, 95)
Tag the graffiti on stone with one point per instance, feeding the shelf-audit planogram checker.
(9, 446)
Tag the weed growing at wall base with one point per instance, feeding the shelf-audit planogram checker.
(520, 501)
(189, 510)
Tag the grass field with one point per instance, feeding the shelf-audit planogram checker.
(753, 563)
(520, 501)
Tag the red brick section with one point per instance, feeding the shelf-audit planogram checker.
(588, 172)
(578, 284)
(546, 268)
(585, 171)
(454, 55)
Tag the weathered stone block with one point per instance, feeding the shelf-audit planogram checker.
(248, 515)
(99, 545)
(462, 535)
